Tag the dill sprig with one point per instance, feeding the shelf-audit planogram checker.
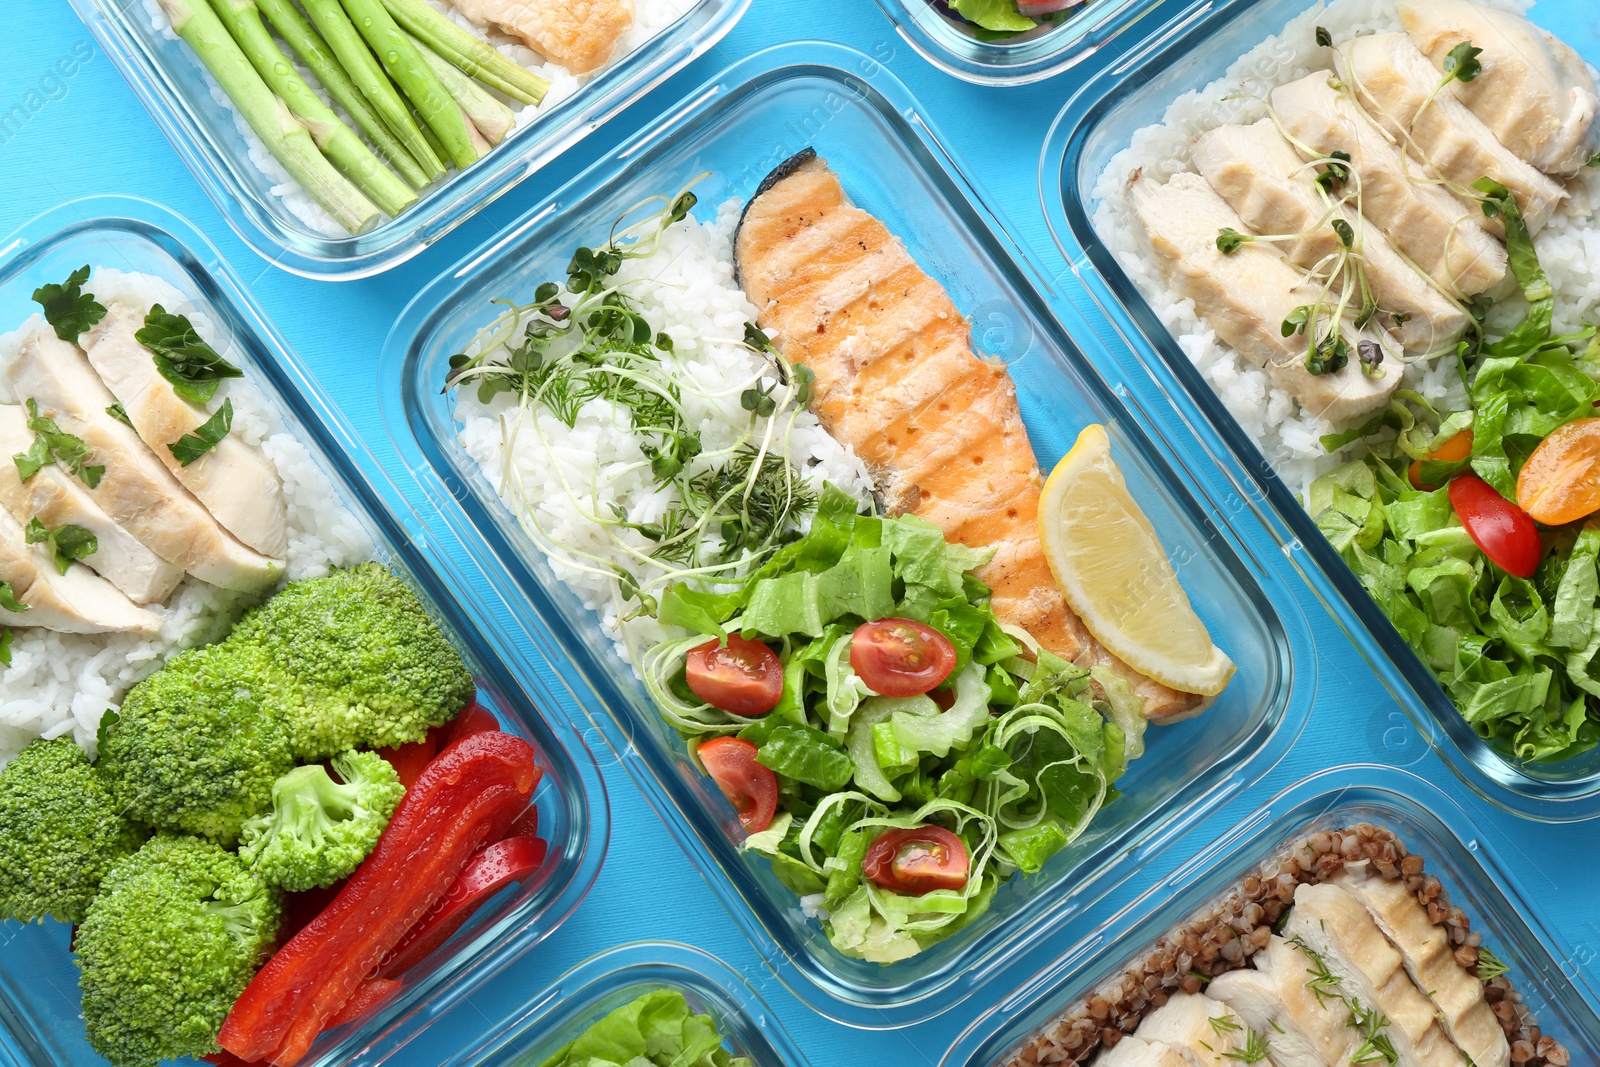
(1256, 1047)
(1224, 1024)
(1371, 1024)
(1490, 966)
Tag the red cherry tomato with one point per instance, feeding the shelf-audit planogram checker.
(1504, 531)
(742, 677)
(917, 861)
(901, 658)
(751, 788)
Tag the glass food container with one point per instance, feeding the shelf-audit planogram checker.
(1192, 50)
(177, 90)
(38, 979)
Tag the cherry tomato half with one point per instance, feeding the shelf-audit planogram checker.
(1504, 531)
(917, 861)
(751, 788)
(1454, 450)
(1560, 483)
(901, 658)
(742, 677)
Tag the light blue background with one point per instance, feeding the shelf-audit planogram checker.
(88, 135)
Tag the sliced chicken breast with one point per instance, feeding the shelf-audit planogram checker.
(236, 482)
(58, 498)
(1395, 82)
(1430, 961)
(1246, 296)
(137, 491)
(1534, 92)
(578, 34)
(77, 602)
(1335, 929)
(1263, 178)
(1308, 1026)
(1204, 1030)
(1135, 1052)
(1432, 228)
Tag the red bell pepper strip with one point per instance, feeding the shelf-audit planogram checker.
(527, 824)
(410, 760)
(477, 719)
(471, 793)
(370, 994)
(486, 874)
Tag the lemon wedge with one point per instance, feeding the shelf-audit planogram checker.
(1115, 574)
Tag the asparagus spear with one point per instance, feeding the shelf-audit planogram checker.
(477, 58)
(301, 36)
(404, 64)
(491, 118)
(364, 71)
(269, 116)
(342, 147)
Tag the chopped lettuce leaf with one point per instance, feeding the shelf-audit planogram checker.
(999, 16)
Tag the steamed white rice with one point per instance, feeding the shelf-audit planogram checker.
(687, 290)
(1569, 247)
(650, 18)
(64, 683)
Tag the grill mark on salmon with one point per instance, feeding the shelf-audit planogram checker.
(897, 379)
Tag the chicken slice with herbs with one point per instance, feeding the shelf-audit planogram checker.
(1308, 1027)
(1132, 1051)
(578, 34)
(1247, 295)
(1205, 1031)
(1430, 961)
(1432, 228)
(1534, 92)
(896, 379)
(58, 498)
(137, 490)
(1396, 84)
(1353, 959)
(1263, 178)
(236, 482)
(76, 601)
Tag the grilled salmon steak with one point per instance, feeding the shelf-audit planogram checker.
(897, 380)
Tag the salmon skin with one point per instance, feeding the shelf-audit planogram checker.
(897, 380)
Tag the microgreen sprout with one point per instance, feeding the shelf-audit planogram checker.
(1324, 38)
(1490, 966)
(1229, 240)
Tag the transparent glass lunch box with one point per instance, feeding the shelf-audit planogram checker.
(1188, 52)
(735, 129)
(1431, 825)
(556, 1015)
(176, 89)
(38, 979)
(957, 47)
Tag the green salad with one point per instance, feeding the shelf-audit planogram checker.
(1475, 530)
(658, 1029)
(895, 817)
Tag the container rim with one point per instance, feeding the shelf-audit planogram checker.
(1235, 851)
(442, 207)
(331, 438)
(513, 589)
(1029, 57)
(741, 1012)
(1495, 777)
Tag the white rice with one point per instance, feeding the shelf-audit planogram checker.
(686, 290)
(1569, 247)
(64, 683)
(650, 18)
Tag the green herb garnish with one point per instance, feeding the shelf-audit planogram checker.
(118, 412)
(1490, 966)
(1324, 38)
(67, 308)
(1347, 235)
(1462, 63)
(205, 437)
(1335, 170)
(193, 367)
(1224, 1024)
(53, 444)
(8, 599)
(5, 647)
(1254, 1050)
(68, 545)
(1229, 240)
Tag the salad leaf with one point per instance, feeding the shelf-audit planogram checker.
(1572, 622)
(184, 359)
(208, 435)
(807, 755)
(658, 1029)
(67, 308)
(999, 16)
(1031, 846)
(699, 611)
(938, 733)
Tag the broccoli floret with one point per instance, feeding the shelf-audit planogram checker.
(320, 830)
(175, 935)
(359, 662)
(60, 832)
(197, 748)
